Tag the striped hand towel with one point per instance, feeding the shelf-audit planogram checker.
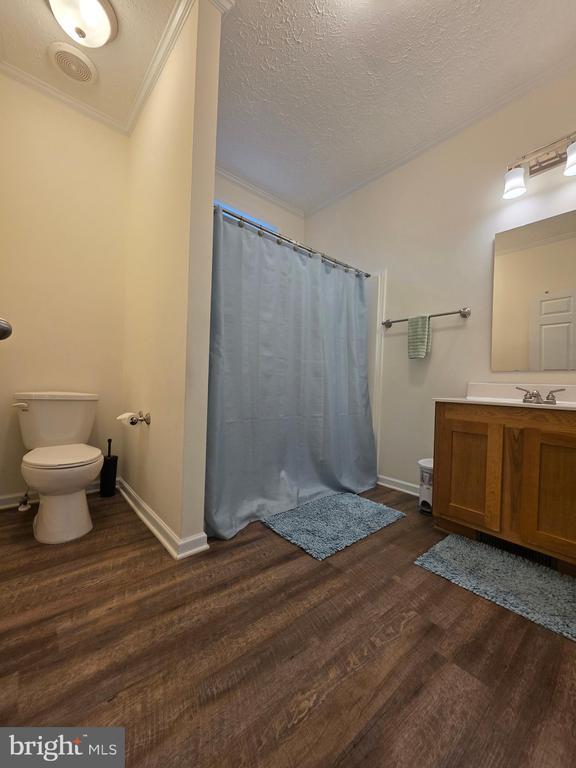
(419, 336)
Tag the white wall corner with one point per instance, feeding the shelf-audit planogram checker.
(224, 5)
(177, 547)
(258, 191)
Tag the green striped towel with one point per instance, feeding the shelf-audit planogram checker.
(419, 336)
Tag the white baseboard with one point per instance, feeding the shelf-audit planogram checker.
(399, 485)
(177, 547)
(11, 500)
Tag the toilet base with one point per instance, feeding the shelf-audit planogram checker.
(62, 518)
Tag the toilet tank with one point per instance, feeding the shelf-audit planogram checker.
(55, 418)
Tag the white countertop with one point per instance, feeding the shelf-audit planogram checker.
(496, 393)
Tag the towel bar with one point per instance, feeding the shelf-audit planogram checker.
(464, 312)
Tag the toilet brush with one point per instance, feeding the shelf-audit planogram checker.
(108, 473)
(24, 505)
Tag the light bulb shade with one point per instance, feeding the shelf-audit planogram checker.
(514, 184)
(91, 23)
(570, 169)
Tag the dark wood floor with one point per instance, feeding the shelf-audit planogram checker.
(254, 654)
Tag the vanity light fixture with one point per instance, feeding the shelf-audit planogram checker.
(514, 184)
(539, 160)
(570, 169)
(91, 23)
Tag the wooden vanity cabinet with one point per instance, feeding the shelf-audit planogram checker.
(508, 471)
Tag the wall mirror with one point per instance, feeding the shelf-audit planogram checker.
(533, 311)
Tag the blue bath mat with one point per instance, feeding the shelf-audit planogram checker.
(538, 593)
(327, 525)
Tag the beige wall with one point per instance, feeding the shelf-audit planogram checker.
(62, 196)
(233, 192)
(431, 224)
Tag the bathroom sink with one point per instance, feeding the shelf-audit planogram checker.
(495, 393)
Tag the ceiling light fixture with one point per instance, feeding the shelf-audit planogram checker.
(91, 23)
(539, 160)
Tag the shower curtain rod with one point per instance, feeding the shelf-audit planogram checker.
(296, 246)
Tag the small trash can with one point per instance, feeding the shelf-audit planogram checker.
(426, 467)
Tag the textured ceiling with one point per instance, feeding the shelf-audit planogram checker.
(27, 27)
(320, 96)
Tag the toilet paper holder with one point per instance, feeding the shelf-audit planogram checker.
(134, 418)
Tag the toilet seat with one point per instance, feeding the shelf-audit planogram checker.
(62, 456)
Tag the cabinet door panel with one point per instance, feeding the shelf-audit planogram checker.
(468, 472)
(468, 486)
(549, 491)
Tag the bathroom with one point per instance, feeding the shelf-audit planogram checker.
(106, 229)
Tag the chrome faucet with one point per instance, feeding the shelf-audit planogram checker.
(531, 396)
(534, 396)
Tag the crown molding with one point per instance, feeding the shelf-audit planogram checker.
(49, 90)
(224, 5)
(260, 192)
(165, 45)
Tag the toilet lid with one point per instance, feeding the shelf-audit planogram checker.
(56, 456)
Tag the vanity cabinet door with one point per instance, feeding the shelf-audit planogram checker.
(468, 472)
(549, 491)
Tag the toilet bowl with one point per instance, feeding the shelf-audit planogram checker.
(61, 474)
(60, 465)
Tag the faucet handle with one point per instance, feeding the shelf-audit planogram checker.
(528, 397)
(550, 397)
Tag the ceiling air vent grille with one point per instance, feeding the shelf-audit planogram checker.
(74, 63)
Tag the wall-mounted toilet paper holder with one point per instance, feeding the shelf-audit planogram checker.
(134, 418)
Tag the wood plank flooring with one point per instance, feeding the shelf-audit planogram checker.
(255, 654)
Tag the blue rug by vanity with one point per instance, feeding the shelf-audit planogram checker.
(327, 525)
(534, 591)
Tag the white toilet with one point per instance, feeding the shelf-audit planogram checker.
(60, 466)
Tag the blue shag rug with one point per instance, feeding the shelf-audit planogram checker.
(534, 591)
(325, 526)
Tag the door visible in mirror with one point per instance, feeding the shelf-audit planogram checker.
(534, 301)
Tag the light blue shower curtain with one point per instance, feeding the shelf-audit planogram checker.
(289, 413)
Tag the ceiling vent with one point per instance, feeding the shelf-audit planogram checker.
(73, 62)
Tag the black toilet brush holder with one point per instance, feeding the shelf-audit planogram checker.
(108, 473)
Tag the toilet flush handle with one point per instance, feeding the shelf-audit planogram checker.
(22, 406)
